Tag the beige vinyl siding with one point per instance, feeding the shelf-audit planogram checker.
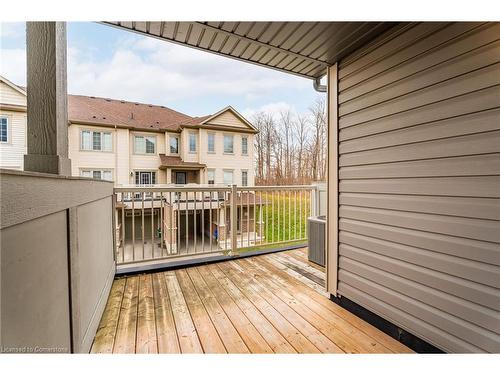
(12, 152)
(227, 118)
(83, 159)
(10, 96)
(419, 181)
(219, 161)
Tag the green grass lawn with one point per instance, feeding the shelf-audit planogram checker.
(285, 216)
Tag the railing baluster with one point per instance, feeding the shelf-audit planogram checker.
(300, 216)
(152, 225)
(195, 235)
(187, 224)
(210, 223)
(248, 219)
(133, 226)
(123, 227)
(254, 208)
(295, 215)
(202, 222)
(162, 224)
(289, 215)
(272, 212)
(178, 226)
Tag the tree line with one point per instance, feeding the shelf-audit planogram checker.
(291, 148)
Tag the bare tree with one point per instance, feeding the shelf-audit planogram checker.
(291, 149)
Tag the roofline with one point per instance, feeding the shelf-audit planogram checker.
(13, 85)
(235, 112)
(90, 123)
(13, 107)
(233, 129)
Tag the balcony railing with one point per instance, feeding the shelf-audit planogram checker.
(165, 222)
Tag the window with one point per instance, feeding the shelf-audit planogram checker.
(211, 176)
(145, 178)
(211, 142)
(4, 129)
(99, 174)
(244, 145)
(228, 177)
(244, 178)
(96, 141)
(192, 142)
(174, 145)
(144, 145)
(228, 144)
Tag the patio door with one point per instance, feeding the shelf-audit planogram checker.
(180, 178)
(145, 178)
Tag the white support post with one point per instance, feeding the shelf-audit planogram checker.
(47, 128)
(233, 211)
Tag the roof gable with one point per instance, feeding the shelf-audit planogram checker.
(11, 94)
(228, 117)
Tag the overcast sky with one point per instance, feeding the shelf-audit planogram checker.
(105, 61)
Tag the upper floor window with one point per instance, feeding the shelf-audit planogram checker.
(4, 129)
(228, 144)
(211, 142)
(96, 141)
(244, 145)
(211, 176)
(192, 142)
(244, 178)
(174, 144)
(144, 145)
(228, 177)
(99, 174)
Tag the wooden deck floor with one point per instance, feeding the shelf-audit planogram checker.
(272, 303)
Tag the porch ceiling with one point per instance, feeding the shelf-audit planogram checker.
(301, 48)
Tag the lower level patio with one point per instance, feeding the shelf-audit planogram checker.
(274, 303)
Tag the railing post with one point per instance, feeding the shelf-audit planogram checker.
(233, 212)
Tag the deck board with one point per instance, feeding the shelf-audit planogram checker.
(274, 303)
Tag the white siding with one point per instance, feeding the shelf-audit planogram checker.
(220, 161)
(12, 152)
(10, 96)
(227, 118)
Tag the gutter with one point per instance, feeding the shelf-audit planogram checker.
(318, 86)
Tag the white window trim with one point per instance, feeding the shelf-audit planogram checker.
(224, 144)
(148, 171)
(93, 130)
(9, 129)
(91, 170)
(244, 137)
(195, 143)
(178, 144)
(215, 174)
(215, 139)
(223, 175)
(242, 171)
(144, 135)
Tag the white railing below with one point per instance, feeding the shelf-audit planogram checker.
(163, 222)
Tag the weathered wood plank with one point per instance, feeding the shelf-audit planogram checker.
(277, 342)
(146, 341)
(313, 299)
(207, 333)
(105, 336)
(127, 324)
(299, 341)
(165, 325)
(232, 340)
(250, 335)
(186, 331)
(344, 335)
(316, 336)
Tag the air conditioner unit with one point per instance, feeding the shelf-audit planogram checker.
(316, 229)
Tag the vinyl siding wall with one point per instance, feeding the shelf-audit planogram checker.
(419, 181)
(12, 152)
